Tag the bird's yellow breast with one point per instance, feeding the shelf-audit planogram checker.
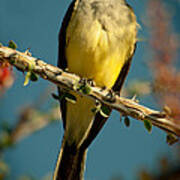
(91, 52)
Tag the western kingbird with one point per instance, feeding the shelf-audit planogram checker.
(96, 41)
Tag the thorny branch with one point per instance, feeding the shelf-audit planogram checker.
(68, 81)
(32, 120)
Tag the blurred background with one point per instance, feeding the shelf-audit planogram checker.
(30, 125)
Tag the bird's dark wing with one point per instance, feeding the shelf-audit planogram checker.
(62, 62)
(122, 75)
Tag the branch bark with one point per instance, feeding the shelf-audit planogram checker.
(127, 107)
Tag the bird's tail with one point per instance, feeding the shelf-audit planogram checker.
(71, 163)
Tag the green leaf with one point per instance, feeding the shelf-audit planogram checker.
(30, 66)
(33, 76)
(6, 140)
(27, 77)
(12, 44)
(55, 96)
(148, 125)
(105, 111)
(30, 76)
(58, 97)
(171, 139)
(86, 89)
(127, 121)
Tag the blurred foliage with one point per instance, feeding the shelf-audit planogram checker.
(167, 170)
(138, 87)
(4, 169)
(165, 45)
(6, 77)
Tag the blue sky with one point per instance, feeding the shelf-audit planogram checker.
(117, 150)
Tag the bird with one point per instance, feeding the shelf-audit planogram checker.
(97, 41)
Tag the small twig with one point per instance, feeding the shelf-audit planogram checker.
(32, 120)
(69, 81)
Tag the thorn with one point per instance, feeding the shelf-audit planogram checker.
(27, 52)
(167, 110)
(91, 82)
(171, 139)
(110, 96)
(83, 81)
(134, 98)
